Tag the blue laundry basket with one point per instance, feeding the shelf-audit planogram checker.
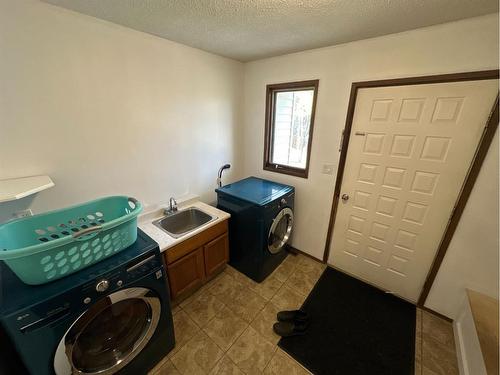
(48, 246)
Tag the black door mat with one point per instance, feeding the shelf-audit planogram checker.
(355, 329)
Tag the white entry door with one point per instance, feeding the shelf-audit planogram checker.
(409, 152)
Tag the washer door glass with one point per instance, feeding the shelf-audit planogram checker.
(280, 230)
(107, 336)
(111, 335)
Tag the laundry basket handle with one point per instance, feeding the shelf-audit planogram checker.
(86, 231)
(135, 202)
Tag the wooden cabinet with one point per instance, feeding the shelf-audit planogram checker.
(187, 273)
(216, 254)
(194, 261)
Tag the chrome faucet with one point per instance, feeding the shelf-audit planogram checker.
(172, 207)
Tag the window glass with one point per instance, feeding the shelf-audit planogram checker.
(292, 121)
(111, 335)
(290, 111)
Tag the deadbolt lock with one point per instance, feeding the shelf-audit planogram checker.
(345, 197)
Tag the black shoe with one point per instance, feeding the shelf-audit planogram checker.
(288, 329)
(297, 316)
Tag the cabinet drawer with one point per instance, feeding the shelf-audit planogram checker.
(216, 254)
(185, 247)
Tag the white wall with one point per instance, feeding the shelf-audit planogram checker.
(104, 109)
(472, 257)
(454, 47)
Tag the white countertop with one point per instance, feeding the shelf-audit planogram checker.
(145, 223)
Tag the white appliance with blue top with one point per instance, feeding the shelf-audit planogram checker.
(260, 225)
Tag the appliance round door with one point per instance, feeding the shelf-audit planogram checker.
(107, 336)
(280, 230)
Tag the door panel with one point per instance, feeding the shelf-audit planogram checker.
(187, 273)
(216, 255)
(409, 152)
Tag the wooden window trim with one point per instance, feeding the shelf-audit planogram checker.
(269, 121)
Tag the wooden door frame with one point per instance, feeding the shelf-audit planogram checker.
(470, 179)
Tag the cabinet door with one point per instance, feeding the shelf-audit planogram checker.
(187, 273)
(216, 254)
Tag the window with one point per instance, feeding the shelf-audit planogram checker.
(289, 127)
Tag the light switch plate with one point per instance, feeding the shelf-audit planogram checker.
(328, 169)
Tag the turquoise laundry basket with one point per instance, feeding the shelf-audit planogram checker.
(48, 246)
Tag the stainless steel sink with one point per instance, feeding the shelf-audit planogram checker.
(182, 222)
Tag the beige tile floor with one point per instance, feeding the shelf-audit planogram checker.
(434, 346)
(226, 326)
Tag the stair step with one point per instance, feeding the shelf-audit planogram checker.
(485, 314)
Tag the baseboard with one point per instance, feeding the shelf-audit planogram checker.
(460, 349)
(469, 355)
(296, 251)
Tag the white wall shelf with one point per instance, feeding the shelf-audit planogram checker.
(17, 188)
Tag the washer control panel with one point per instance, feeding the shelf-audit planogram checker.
(111, 279)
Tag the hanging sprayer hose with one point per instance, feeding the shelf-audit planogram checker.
(219, 178)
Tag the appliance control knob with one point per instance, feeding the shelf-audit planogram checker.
(102, 285)
(283, 201)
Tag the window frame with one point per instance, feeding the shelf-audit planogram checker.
(271, 91)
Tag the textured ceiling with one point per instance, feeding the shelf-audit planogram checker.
(251, 29)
